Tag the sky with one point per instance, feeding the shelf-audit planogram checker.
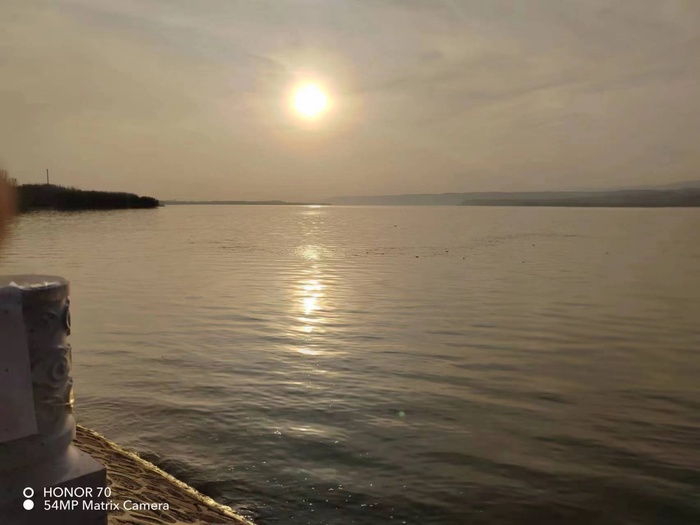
(189, 99)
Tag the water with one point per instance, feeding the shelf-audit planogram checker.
(377, 365)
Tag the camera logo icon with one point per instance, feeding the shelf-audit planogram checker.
(28, 503)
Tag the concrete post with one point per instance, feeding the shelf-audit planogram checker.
(37, 425)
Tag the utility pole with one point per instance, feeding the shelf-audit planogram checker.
(47, 176)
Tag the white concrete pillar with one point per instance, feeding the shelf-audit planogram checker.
(37, 425)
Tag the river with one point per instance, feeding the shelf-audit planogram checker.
(381, 365)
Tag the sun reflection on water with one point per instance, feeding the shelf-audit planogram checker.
(309, 351)
(311, 297)
(310, 304)
(311, 288)
(310, 252)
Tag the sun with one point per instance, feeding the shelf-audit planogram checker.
(309, 101)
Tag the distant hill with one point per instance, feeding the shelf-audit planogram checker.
(622, 198)
(412, 199)
(678, 194)
(687, 185)
(441, 199)
(51, 197)
(684, 185)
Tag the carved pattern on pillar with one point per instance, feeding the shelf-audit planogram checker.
(42, 455)
(46, 312)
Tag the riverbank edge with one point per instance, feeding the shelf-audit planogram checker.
(131, 477)
(36, 197)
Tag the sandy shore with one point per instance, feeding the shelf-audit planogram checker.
(132, 478)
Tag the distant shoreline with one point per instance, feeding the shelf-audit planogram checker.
(613, 199)
(675, 198)
(35, 197)
(244, 203)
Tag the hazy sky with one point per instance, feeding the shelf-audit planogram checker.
(189, 99)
